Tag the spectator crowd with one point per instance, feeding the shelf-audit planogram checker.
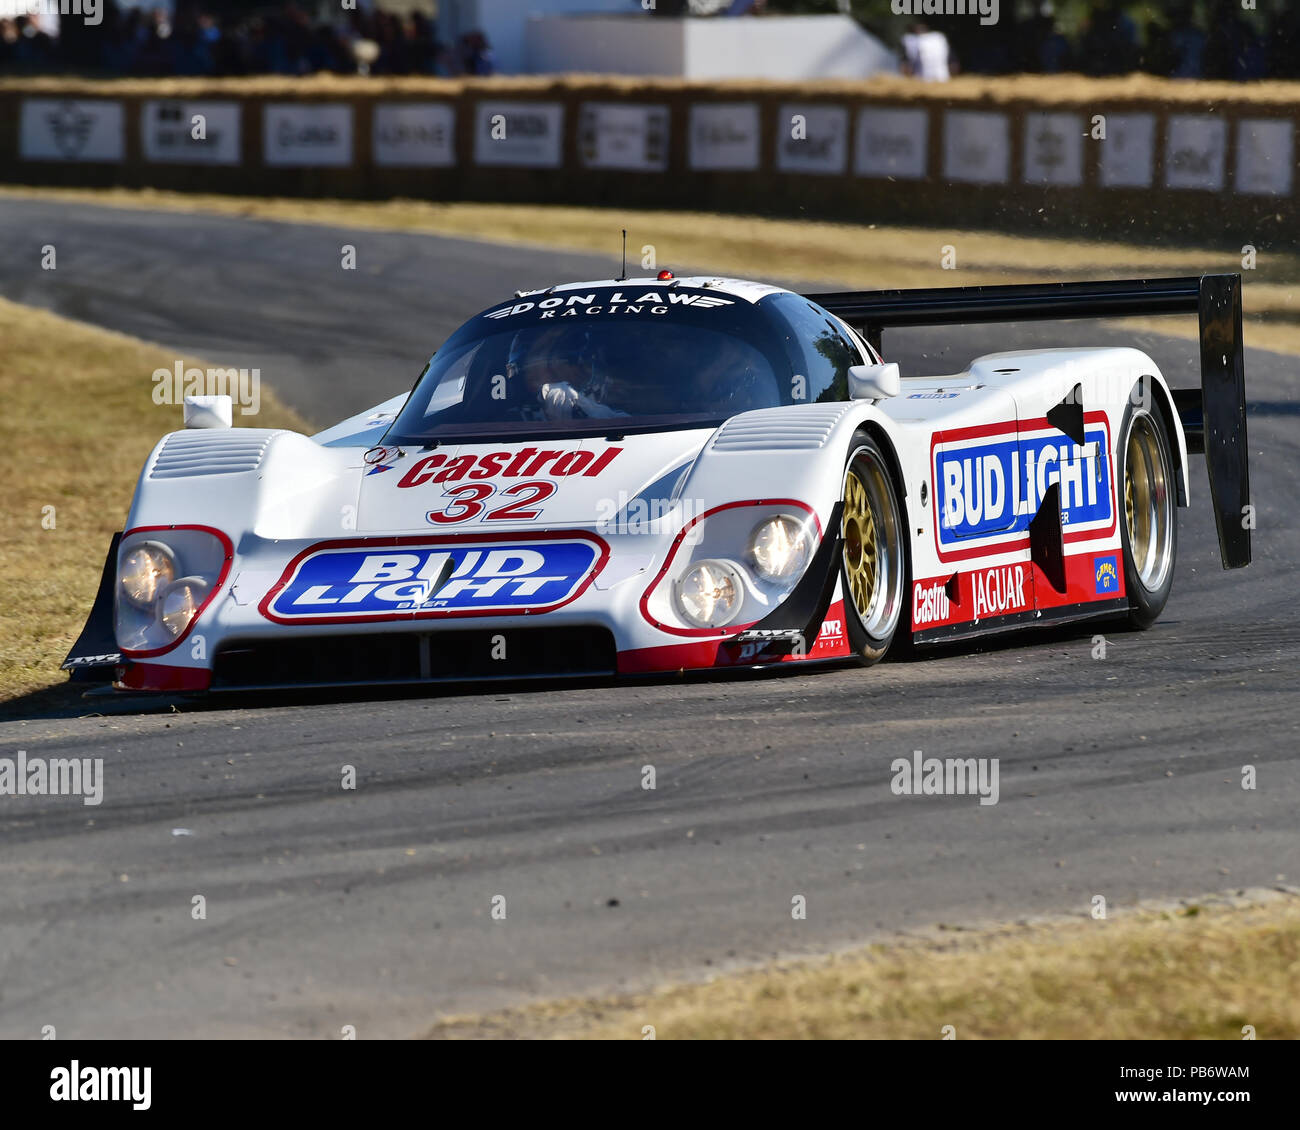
(194, 40)
(1211, 39)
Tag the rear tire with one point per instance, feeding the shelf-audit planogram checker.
(1149, 530)
(873, 562)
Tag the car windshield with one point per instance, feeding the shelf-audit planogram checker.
(610, 359)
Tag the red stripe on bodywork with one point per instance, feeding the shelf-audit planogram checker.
(160, 677)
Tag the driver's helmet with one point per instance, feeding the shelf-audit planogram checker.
(549, 353)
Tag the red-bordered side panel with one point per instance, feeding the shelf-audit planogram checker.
(989, 481)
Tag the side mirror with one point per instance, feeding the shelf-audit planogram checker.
(209, 411)
(873, 382)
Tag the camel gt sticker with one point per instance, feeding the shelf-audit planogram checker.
(452, 579)
(1107, 574)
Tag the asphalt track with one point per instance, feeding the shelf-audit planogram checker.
(1119, 777)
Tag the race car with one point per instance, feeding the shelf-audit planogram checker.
(652, 475)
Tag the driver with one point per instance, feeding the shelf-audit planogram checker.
(557, 367)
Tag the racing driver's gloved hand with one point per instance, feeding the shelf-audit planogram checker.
(561, 401)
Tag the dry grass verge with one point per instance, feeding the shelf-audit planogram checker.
(78, 421)
(1202, 970)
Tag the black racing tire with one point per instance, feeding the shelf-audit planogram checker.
(1148, 497)
(873, 561)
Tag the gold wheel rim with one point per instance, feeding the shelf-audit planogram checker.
(1148, 504)
(1128, 503)
(861, 551)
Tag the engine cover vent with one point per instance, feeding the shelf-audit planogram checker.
(204, 452)
(794, 428)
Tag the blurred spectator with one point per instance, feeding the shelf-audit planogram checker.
(25, 44)
(926, 54)
(475, 54)
(1110, 41)
(1235, 51)
(1284, 38)
(1047, 50)
(1185, 44)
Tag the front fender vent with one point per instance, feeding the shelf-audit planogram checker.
(795, 428)
(218, 452)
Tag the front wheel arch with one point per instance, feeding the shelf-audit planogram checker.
(1169, 417)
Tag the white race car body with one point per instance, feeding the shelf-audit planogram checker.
(347, 558)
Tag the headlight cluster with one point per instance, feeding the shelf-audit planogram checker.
(157, 599)
(710, 593)
(180, 602)
(146, 571)
(739, 570)
(779, 548)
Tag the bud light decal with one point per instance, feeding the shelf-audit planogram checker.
(992, 486)
(406, 579)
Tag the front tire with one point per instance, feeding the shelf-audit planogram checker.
(1149, 533)
(873, 562)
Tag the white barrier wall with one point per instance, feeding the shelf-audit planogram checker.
(83, 129)
(413, 134)
(823, 153)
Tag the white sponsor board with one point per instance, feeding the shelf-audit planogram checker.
(414, 134)
(526, 134)
(67, 129)
(976, 147)
(723, 135)
(168, 132)
(812, 138)
(298, 134)
(1053, 148)
(1265, 156)
(891, 143)
(1128, 151)
(1195, 148)
(615, 135)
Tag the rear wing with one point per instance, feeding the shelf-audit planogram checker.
(1213, 416)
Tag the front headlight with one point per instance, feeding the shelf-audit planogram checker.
(180, 602)
(710, 593)
(163, 587)
(146, 570)
(779, 548)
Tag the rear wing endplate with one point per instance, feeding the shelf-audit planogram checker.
(1213, 417)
